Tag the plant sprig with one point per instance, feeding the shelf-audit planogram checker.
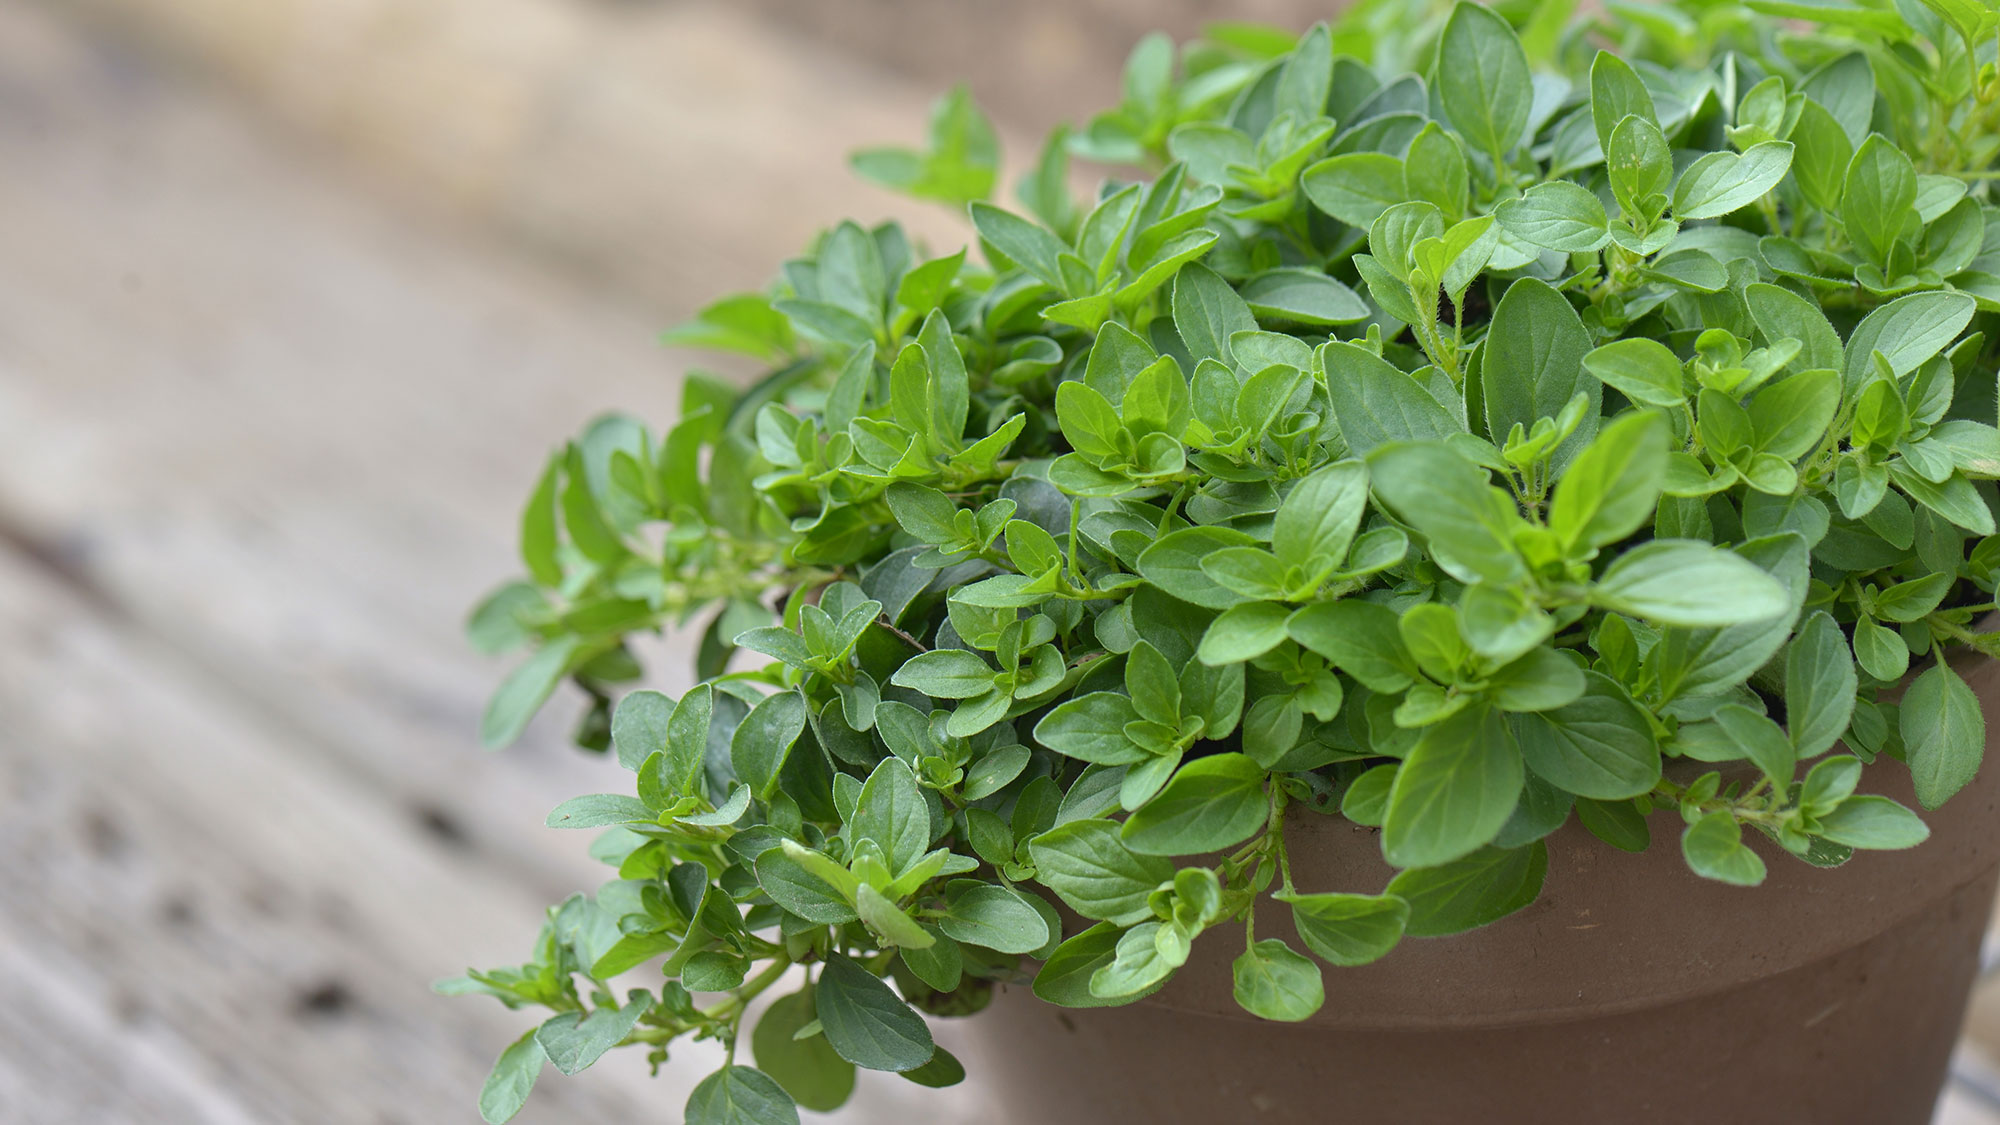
(1454, 429)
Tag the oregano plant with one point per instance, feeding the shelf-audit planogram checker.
(1435, 421)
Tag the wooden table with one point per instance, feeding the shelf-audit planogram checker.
(262, 435)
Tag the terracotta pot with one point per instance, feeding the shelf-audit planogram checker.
(1631, 991)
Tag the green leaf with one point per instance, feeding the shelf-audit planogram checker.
(573, 1040)
(1244, 633)
(1820, 686)
(1641, 166)
(1682, 582)
(1316, 523)
(1173, 563)
(1154, 687)
(1355, 187)
(1713, 848)
(1367, 799)
(1782, 314)
(1557, 215)
(1532, 365)
(1722, 182)
(800, 890)
(1761, 741)
(512, 1079)
(1450, 500)
(1610, 489)
(1693, 662)
(639, 726)
(501, 621)
(687, 740)
(1823, 154)
(1091, 728)
(1210, 804)
(585, 523)
(1880, 189)
(888, 921)
(1029, 246)
(892, 812)
(942, 1071)
(1207, 312)
(1616, 92)
(1641, 369)
(1600, 746)
(1839, 13)
(1301, 296)
(738, 1095)
(1360, 638)
(1908, 331)
(807, 1068)
(1275, 981)
(1881, 652)
(1873, 822)
(1482, 79)
(1348, 929)
(1790, 416)
(759, 747)
(941, 964)
(742, 322)
(1466, 893)
(1087, 865)
(866, 1023)
(1377, 404)
(1455, 790)
(995, 917)
(1944, 734)
(946, 673)
(1617, 823)
(1142, 963)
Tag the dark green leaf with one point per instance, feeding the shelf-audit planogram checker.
(738, 1095)
(808, 1068)
(866, 1023)
(760, 745)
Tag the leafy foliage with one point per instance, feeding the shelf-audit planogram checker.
(1451, 427)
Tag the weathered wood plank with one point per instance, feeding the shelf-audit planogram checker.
(181, 877)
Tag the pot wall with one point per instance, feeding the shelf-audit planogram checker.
(1630, 991)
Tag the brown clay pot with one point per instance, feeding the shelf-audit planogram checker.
(1632, 991)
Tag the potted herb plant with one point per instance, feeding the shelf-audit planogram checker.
(1468, 481)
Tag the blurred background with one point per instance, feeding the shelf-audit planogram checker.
(294, 297)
